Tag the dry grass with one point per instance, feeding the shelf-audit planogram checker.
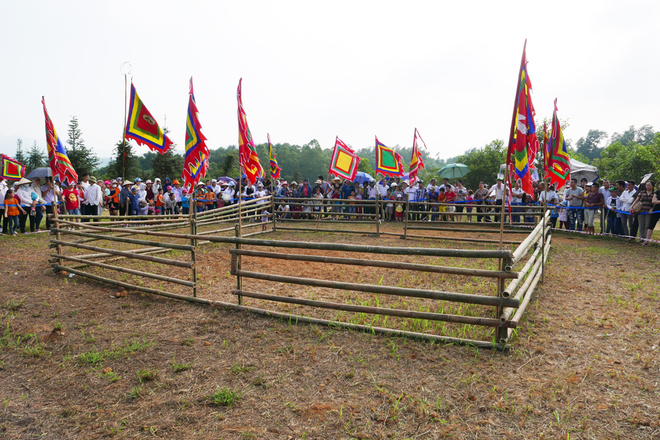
(584, 365)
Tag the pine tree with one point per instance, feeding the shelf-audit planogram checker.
(169, 164)
(125, 163)
(36, 158)
(20, 154)
(82, 158)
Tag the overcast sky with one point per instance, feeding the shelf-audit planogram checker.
(314, 70)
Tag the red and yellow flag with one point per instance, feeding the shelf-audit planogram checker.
(247, 153)
(416, 162)
(59, 161)
(344, 162)
(143, 128)
(11, 169)
(196, 160)
(523, 143)
(557, 159)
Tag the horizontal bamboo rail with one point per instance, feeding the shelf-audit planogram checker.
(462, 239)
(387, 290)
(129, 286)
(124, 270)
(488, 322)
(432, 252)
(166, 261)
(508, 291)
(326, 220)
(340, 231)
(377, 263)
(483, 231)
(182, 247)
(121, 217)
(291, 318)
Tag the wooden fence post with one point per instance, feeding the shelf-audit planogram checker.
(239, 281)
(57, 233)
(193, 243)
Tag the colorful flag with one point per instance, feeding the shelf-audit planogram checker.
(416, 162)
(247, 153)
(344, 162)
(196, 160)
(558, 162)
(523, 143)
(388, 161)
(274, 168)
(59, 161)
(11, 169)
(143, 128)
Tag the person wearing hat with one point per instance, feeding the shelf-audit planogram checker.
(124, 202)
(156, 185)
(112, 198)
(27, 199)
(71, 199)
(93, 199)
(134, 201)
(5, 221)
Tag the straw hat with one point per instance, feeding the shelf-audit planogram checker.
(23, 181)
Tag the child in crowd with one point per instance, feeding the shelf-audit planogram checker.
(318, 200)
(209, 198)
(563, 215)
(389, 206)
(434, 208)
(12, 208)
(351, 207)
(442, 198)
(398, 210)
(264, 219)
(160, 206)
(469, 201)
(450, 197)
(358, 197)
(185, 202)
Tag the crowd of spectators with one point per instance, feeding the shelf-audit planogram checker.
(623, 208)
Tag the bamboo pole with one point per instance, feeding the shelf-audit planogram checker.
(273, 213)
(339, 231)
(462, 253)
(129, 286)
(387, 290)
(508, 291)
(181, 247)
(482, 231)
(57, 229)
(193, 245)
(488, 322)
(116, 218)
(236, 267)
(464, 239)
(107, 260)
(377, 214)
(378, 263)
(126, 270)
(363, 328)
(167, 261)
(405, 225)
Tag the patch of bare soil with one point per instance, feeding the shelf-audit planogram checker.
(78, 363)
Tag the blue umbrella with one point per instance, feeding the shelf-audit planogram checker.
(362, 177)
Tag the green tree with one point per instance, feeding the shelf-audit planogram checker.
(632, 161)
(484, 163)
(643, 136)
(125, 162)
(168, 164)
(82, 158)
(36, 158)
(588, 146)
(20, 154)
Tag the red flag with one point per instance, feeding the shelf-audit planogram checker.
(196, 160)
(523, 143)
(143, 128)
(416, 162)
(344, 162)
(247, 153)
(60, 164)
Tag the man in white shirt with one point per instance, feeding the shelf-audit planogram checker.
(85, 181)
(497, 191)
(625, 202)
(93, 198)
(575, 195)
(516, 200)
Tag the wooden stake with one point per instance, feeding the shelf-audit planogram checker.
(193, 243)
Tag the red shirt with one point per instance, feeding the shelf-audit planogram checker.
(72, 197)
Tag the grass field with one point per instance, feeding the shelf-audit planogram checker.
(76, 362)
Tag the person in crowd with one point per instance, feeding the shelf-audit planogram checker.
(51, 193)
(11, 210)
(3, 192)
(359, 209)
(28, 202)
(418, 199)
(71, 199)
(112, 199)
(40, 206)
(612, 203)
(389, 205)
(209, 198)
(593, 202)
(398, 209)
(159, 202)
(93, 198)
(318, 198)
(134, 201)
(626, 200)
(574, 195)
(124, 202)
(498, 192)
(480, 196)
(450, 197)
(655, 214)
(563, 215)
(645, 196)
(85, 182)
(157, 185)
(516, 200)
(185, 202)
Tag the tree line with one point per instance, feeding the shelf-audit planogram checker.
(626, 155)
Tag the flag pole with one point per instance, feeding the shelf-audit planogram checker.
(508, 154)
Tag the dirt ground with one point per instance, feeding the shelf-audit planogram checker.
(78, 363)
